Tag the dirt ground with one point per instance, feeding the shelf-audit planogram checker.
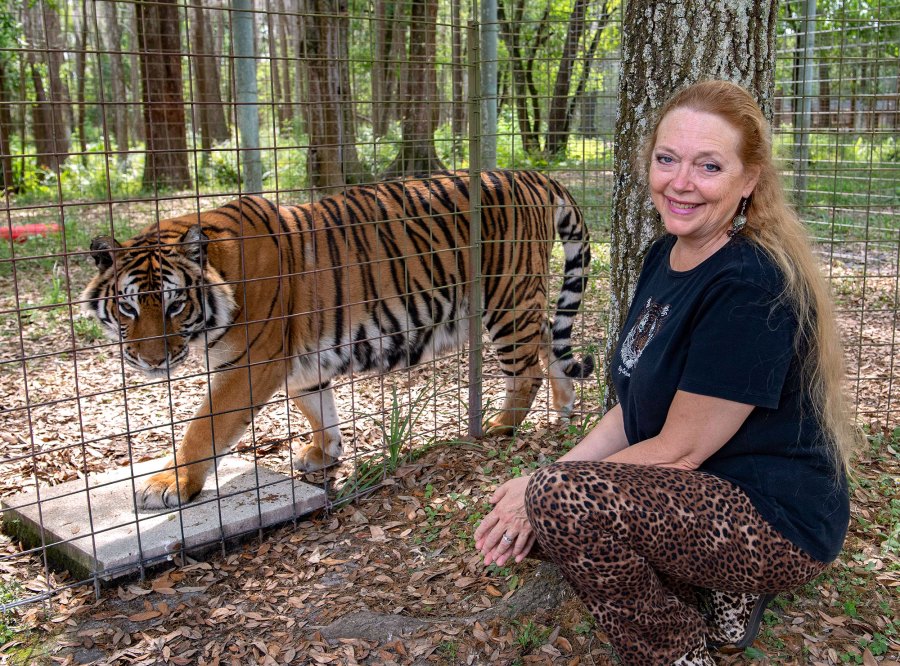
(392, 578)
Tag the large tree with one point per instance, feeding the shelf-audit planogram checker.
(159, 45)
(666, 46)
(52, 117)
(329, 113)
(420, 112)
(209, 112)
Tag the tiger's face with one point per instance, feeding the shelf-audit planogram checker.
(157, 298)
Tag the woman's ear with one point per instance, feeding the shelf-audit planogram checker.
(752, 179)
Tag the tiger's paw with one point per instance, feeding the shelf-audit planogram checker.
(311, 458)
(495, 427)
(164, 490)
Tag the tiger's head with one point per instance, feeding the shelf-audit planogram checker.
(156, 297)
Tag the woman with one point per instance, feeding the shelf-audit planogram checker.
(719, 478)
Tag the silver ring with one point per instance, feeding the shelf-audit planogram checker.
(507, 539)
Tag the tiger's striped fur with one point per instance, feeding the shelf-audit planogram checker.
(375, 278)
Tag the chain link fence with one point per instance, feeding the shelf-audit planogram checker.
(114, 115)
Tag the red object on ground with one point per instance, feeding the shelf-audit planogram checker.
(19, 232)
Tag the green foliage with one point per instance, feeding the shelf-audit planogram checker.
(530, 636)
(9, 592)
(396, 432)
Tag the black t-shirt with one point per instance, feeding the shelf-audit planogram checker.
(720, 330)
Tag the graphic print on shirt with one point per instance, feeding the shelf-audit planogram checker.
(649, 322)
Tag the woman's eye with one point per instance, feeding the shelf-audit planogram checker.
(711, 168)
(127, 309)
(175, 308)
(664, 159)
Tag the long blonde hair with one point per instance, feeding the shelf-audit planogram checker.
(776, 228)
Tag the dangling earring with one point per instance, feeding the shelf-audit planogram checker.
(739, 221)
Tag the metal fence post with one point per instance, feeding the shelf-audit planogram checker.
(475, 344)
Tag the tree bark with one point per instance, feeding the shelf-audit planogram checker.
(111, 38)
(730, 39)
(6, 130)
(417, 155)
(285, 105)
(824, 116)
(51, 111)
(135, 111)
(80, 81)
(207, 83)
(159, 45)
(458, 112)
(557, 119)
(332, 161)
(389, 30)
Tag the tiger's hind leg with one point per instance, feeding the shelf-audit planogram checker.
(562, 388)
(520, 363)
(317, 405)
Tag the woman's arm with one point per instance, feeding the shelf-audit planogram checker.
(605, 439)
(696, 427)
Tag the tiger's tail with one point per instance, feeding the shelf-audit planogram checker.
(571, 230)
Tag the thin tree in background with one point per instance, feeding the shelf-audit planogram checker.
(332, 160)
(209, 110)
(417, 154)
(6, 129)
(110, 38)
(458, 113)
(285, 105)
(81, 81)
(523, 50)
(389, 43)
(159, 45)
(557, 120)
(51, 112)
(730, 40)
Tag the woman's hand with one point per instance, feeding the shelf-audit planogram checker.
(505, 532)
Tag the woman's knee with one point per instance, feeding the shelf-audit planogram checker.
(563, 493)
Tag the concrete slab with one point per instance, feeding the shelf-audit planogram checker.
(110, 539)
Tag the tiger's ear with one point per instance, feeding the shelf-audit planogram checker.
(102, 248)
(193, 244)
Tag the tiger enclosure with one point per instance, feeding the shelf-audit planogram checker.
(351, 264)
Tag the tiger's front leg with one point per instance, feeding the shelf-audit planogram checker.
(216, 427)
(317, 405)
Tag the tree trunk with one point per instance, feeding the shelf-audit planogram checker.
(135, 111)
(510, 32)
(159, 46)
(458, 104)
(824, 116)
(557, 119)
(6, 130)
(388, 32)
(51, 111)
(527, 98)
(417, 155)
(285, 105)
(599, 26)
(111, 38)
(332, 161)
(274, 69)
(208, 99)
(80, 71)
(731, 39)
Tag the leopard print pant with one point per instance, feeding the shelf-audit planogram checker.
(635, 542)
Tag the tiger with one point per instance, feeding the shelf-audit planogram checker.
(376, 277)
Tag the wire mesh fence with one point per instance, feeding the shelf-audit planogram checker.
(115, 115)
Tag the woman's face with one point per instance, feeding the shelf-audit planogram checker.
(697, 179)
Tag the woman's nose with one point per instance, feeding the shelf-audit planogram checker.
(681, 179)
